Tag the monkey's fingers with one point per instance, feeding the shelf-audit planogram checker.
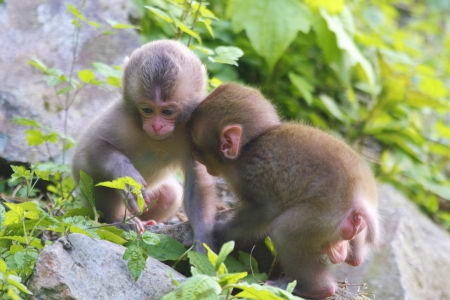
(138, 224)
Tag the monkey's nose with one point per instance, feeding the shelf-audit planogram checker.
(157, 127)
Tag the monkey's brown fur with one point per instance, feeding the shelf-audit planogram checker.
(144, 136)
(309, 191)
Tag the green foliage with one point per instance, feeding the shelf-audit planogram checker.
(212, 280)
(129, 186)
(141, 246)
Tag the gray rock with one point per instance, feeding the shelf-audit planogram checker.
(42, 29)
(413, 260)
(80, 267)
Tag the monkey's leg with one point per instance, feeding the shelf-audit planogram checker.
(164, 200)
(297, 235)
(246, 227)
(358, 249)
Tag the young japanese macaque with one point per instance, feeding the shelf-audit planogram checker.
(144, 136)
(311, 193)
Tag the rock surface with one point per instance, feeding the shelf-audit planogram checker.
(42, 29)
(79, 267)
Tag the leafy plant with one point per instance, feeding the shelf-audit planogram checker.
(211, 280)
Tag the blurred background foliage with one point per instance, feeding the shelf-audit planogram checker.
(373, 72)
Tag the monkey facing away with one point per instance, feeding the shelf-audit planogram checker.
(144, 136)
(311, 193)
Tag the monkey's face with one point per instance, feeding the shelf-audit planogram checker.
(158, 120)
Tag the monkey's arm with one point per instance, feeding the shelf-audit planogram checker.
(108, 164)
(199, 202)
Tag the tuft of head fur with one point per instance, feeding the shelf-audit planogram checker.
(232, 104)
(157, 69)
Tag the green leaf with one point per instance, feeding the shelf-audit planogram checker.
(303, 86)
(124, 183)
(86, 184)
(27, 122)
(226, 55)
(345, 42)
(35, 242)
(195, 288)
(87, 76)
(271, 26)
(15, 281)
(266, 292)
(269, 244)
(201, 263)
(34, 137)
(434, 88)
(332, 108)
(150, 238)
(183, 27)
(168, 248)
(135, 259)
(38, 65)
(160, 14)
(231, 278)
(334, 6)
(106, 234)
(225, 250)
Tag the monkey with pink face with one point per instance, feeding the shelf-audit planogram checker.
(311, 193)
(144, 136)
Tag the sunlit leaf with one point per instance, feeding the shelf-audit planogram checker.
(332, 6)
(195, 288)
(271, 26)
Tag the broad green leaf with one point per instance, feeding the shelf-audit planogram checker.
(226, 55)
(167, 248)
(108, 71)
(213, 259)
(345, 42)
(266, 292)
(108, 235)
(34, 137)
(231, 278)
(225, 250)
(135, 259)
(27, 122)
(150, 238)
(87, 76)
(195, 288)
(332, 6)
(303, 86)
(86, 184)
(271, 26)
(123, 183)
(201, 263)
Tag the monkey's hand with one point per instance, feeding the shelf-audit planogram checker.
(140, 225)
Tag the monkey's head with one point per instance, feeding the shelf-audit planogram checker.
(230, 117)
(163, 82)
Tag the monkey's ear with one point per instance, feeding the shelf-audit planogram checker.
(230, 141)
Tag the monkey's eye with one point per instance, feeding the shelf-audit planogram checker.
(167, 112)
(147, 110)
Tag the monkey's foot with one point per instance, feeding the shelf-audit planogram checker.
(337, 253)
(322, 290)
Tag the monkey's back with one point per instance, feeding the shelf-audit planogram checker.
(297, 164)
